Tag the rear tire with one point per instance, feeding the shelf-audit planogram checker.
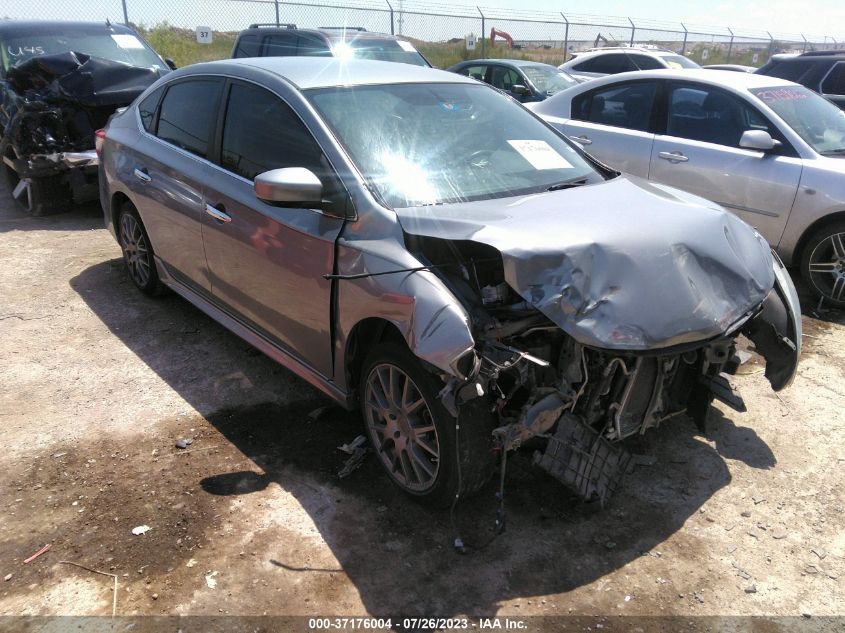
(413, 435)
(823, 263)
(137, 251)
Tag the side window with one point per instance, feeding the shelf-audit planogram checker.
(247, 46)
(312, 47)
(504, 78)
(701, 113)
(476, 72)
(261, 132)
(147, 110)
(280, 45)
(834, 83)
(187, 113)
(627, 106)
(644, 62)
(610, 64)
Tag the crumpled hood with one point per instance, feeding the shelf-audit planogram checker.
(621, 265)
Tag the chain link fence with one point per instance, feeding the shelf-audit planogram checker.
(438, 30)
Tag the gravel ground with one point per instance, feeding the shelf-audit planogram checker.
(97, 383)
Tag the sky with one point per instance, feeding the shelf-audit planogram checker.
(813, 18)
(817, 17)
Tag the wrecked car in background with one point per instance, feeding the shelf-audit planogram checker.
(416, 244)
(60, 82)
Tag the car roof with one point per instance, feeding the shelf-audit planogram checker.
(339, 33)
(729, 78)
(625, 49)
(15, 28)
(325, 72)
(504, 62)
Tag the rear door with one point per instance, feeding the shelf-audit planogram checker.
(699, 152)
(267, 262)
(613, 123)
(166, 169)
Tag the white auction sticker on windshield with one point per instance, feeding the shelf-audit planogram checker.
(406, 46)
(540, 154)
(124, 40)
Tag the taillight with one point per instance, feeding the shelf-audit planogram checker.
(99, 139)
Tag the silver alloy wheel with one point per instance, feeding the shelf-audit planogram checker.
(135, 249)
(402, 428)
(827, 267)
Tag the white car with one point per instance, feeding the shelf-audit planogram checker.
(615, 60)
(769, 150)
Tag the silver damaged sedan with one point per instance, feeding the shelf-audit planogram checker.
(419, 246)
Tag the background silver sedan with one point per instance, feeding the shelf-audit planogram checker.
(771, 151)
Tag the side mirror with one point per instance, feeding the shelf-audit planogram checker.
(170, 63)
(290, 185)
(520, 90)
(759, 140)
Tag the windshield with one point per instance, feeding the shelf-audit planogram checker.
(118, 47)
(380, 49)
(815, 119)
(422, 144)
(548, 79)
(678, 61)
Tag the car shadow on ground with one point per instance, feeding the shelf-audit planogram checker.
(77, 217)
(397, 553)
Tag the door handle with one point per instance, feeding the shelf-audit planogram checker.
(674, 157)
(218, 214)
(583, 139)
(142, 175)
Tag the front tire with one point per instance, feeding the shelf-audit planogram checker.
(45, 195)
(823, 264)
(414, 436)
(137, 251)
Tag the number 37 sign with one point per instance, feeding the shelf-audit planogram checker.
(204, 34)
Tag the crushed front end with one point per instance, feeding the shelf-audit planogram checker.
(52, 106)
(575, 402)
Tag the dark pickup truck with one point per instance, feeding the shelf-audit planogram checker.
(59, 83)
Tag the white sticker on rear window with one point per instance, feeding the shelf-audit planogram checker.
(124, 40)
(406, 46)
(540, 154)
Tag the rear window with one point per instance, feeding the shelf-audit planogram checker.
(380, 49)
(792, 70)
(247, 46)
(186, 114)
(607, 64)
(678, 61)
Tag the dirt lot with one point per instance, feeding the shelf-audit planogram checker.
(97, 382)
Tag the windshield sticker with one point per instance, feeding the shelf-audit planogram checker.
(540, 154)
(124, 40)
(406, 46)
(781, 94)
(24, 51)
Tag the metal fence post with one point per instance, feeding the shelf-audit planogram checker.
(483, 38)
(125, 13)
(684, 47)
(730, 45)
(633, 30)
(565, 38)
(771, 45)
(390, 6)
(276, 2)
(804, 49)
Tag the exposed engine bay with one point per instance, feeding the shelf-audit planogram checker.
(541, 384)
